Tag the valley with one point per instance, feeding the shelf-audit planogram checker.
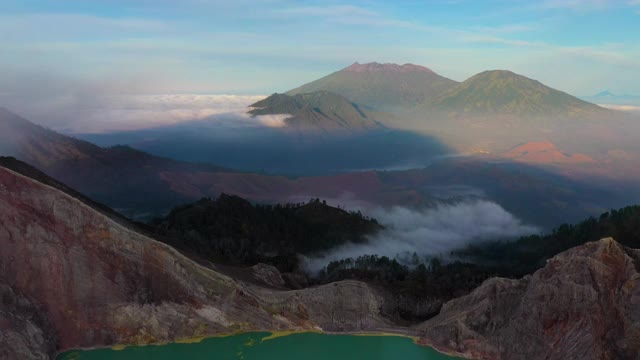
(127, 287)
(344, 218)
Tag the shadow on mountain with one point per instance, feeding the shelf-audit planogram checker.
(274, 151)
(137, 183)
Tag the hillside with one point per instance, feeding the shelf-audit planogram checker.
(72, 277)
(582, 305)
(504, 92)
(120, 176)
(526, 255)
(545, 152)
(319, 111)
(384, 87)
(232, 229)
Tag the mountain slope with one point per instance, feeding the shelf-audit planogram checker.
(384, 87)
(504, 92)
(91, 281)
(582, 305)
(120, 176)
(544, 152)
(318, 111)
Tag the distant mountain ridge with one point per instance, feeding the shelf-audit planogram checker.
(119, 176)
(384, 87)
(607, 97)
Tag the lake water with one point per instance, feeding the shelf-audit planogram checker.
(254, 346)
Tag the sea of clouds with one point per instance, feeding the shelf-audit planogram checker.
(133, 112)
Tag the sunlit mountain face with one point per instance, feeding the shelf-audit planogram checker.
(273, 179)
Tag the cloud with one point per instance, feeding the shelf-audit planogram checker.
(132, 112)
(580, 5)
(489, 39)
(38, 26)
(359, 16)
(328, 11)
(104, 110)
(275, 120)
(576, 4)
(432, 232)
(627, 108)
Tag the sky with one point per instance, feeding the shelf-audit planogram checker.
(54, 50)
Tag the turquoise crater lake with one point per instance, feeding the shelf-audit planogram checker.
(251, 346)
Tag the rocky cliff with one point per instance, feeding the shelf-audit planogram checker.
(582, 305)
(73, 277)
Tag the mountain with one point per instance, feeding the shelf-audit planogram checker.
(582, 305)
(384, 87)
(318, 111)
(608, 98)
(121, 176)
(504, 92)
(73, 277)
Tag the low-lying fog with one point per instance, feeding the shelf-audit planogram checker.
(431, 232)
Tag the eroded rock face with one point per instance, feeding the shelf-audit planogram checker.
(99, 283)
(25, 332)
(268, 275)
(582, 305)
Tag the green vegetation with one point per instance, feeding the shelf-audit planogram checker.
(476, 263)
(508, 93)
(526, 255)
(317, 111)
(232, 229)
(433, 281)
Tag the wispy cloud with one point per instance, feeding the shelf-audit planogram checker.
(576, 4)
(581, 5)
(505, 29)
(348, 15)
(70, 24)
(332, 11)
(489, 39)
(360, 16)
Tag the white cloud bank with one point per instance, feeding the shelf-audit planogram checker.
(108, 113)
(432, 232)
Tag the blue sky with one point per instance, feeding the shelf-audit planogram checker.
(265, 46)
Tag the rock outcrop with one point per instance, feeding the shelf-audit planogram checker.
(582, 305)
(96, 282)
